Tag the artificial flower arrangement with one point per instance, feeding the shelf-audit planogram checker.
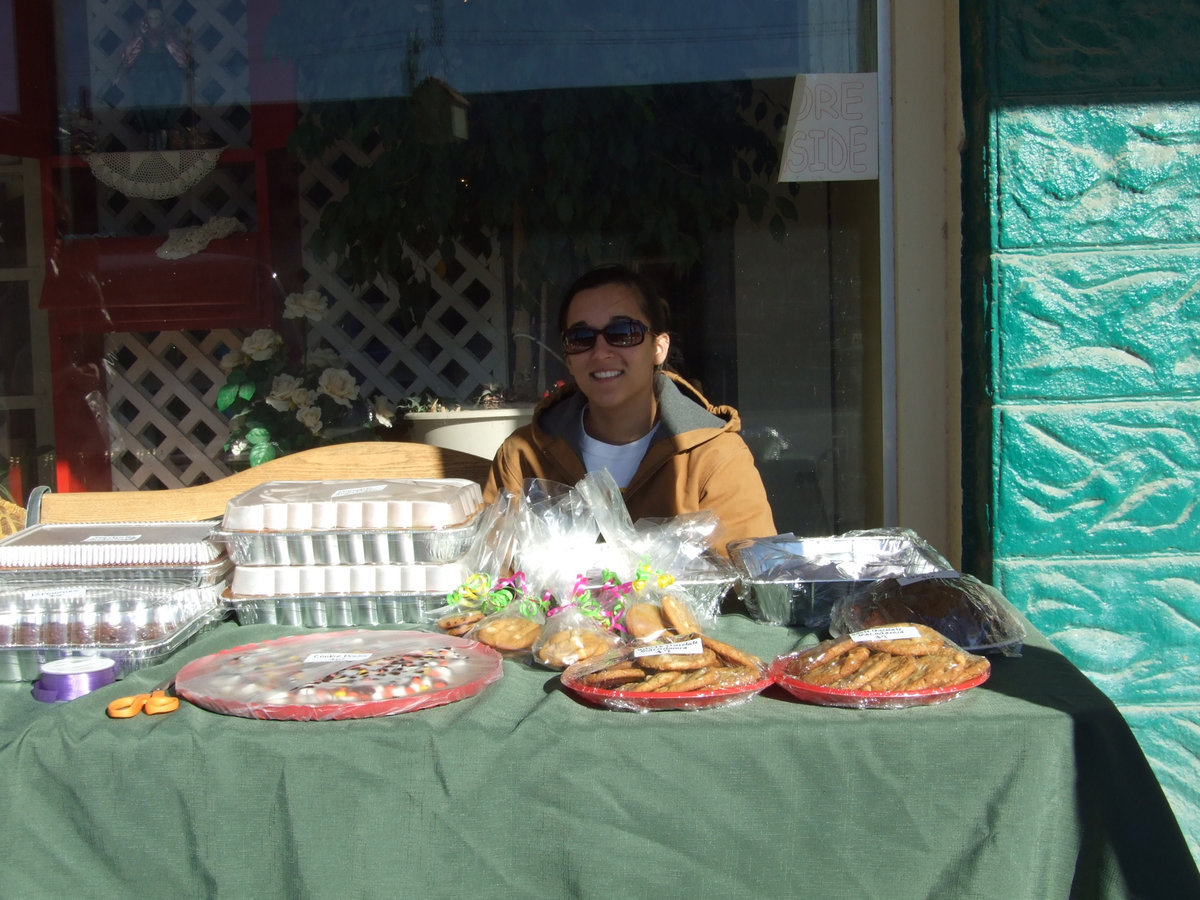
(280, 402)
(488, 396)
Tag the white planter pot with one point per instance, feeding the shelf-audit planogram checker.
(476, 431)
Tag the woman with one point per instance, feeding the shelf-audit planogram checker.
(667, 447)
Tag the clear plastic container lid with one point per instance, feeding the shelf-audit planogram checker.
(88, 615)
(853, 556)
(380, 503)
(117, 544)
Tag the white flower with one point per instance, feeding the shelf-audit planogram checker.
(283, 392)
(323, 358)
(238, 447)
(310, 418)
(339, 385)
(261, 344)
(303, 397)
(383, 410)
(309, 305)
(232, 360)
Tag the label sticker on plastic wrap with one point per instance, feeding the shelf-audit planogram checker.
(111, 538)
(337, 657)
(350, 492)
(54, 593)
(684, 648)
(886, 633)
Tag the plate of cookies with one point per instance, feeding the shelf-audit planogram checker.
(353, 674)
(691, 671)
(890, 667)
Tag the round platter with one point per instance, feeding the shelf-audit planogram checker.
(641, 701)
(827, 696)
(339, 675)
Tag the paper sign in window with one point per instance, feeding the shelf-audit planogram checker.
(833, 129)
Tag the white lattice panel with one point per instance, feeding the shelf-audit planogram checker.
(459, 346)
(216, 35)
(162, 387)
(164, 428)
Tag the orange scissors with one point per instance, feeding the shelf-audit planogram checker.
(159, 700)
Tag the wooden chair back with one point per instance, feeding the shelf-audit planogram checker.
(368, 459)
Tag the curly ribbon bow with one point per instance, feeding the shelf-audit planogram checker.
(478, 592)
(472, 592)
(644, 573)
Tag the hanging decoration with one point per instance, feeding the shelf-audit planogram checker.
(154, 174)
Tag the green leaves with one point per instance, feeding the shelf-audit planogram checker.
(581, 175)
(261, 453)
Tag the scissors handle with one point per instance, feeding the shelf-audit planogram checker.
(154, 703)
(127, 707)
(160, 702)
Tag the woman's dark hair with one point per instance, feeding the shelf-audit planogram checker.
(653, 307)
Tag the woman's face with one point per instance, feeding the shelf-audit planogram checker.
(614, 378)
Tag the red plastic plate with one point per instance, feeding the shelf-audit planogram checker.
(339, 675)
(827, 696)
(646, 701)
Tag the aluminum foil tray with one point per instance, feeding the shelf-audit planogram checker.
(333, 547)
(354, 504)
(310, 581)
(336, 611)
(179, 553)
(797, 581)
(133, 625)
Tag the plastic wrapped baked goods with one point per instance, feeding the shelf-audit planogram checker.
(352, 522)
(339, 675)
(115, 553)
(974, 615)
(570, 636)
(787, 580)
(686, 672)
(894, 666)
(133, 624)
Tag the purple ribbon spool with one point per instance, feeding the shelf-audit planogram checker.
(71, 677)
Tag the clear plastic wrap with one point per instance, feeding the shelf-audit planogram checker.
(890, 667)
(689, 672)
(336, 610)
(564, 534)
(178, 553)
(787, 580)
(975, 615)
(134, 625)
(571, 636)
(339, 675)
(353, 522)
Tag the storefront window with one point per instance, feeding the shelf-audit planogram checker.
(427, 177)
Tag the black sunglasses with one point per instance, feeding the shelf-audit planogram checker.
(623, 333)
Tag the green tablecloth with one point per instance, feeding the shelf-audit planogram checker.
(1031, 786)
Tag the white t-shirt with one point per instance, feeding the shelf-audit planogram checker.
(621, 460)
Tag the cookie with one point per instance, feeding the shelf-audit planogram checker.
(658, 681)
(695, 680)
(570, 645)
(459, 623)
(677, 662)
(508, 633)
(735, 676)
(679, 615)
(927, 641)
(730, 654)
(644, 620)
(614, 676)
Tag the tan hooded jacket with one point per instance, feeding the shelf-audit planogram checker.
(696, 461)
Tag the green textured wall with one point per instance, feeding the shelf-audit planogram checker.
(1082, 319)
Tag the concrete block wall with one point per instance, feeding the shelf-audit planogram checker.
(1086, 245)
